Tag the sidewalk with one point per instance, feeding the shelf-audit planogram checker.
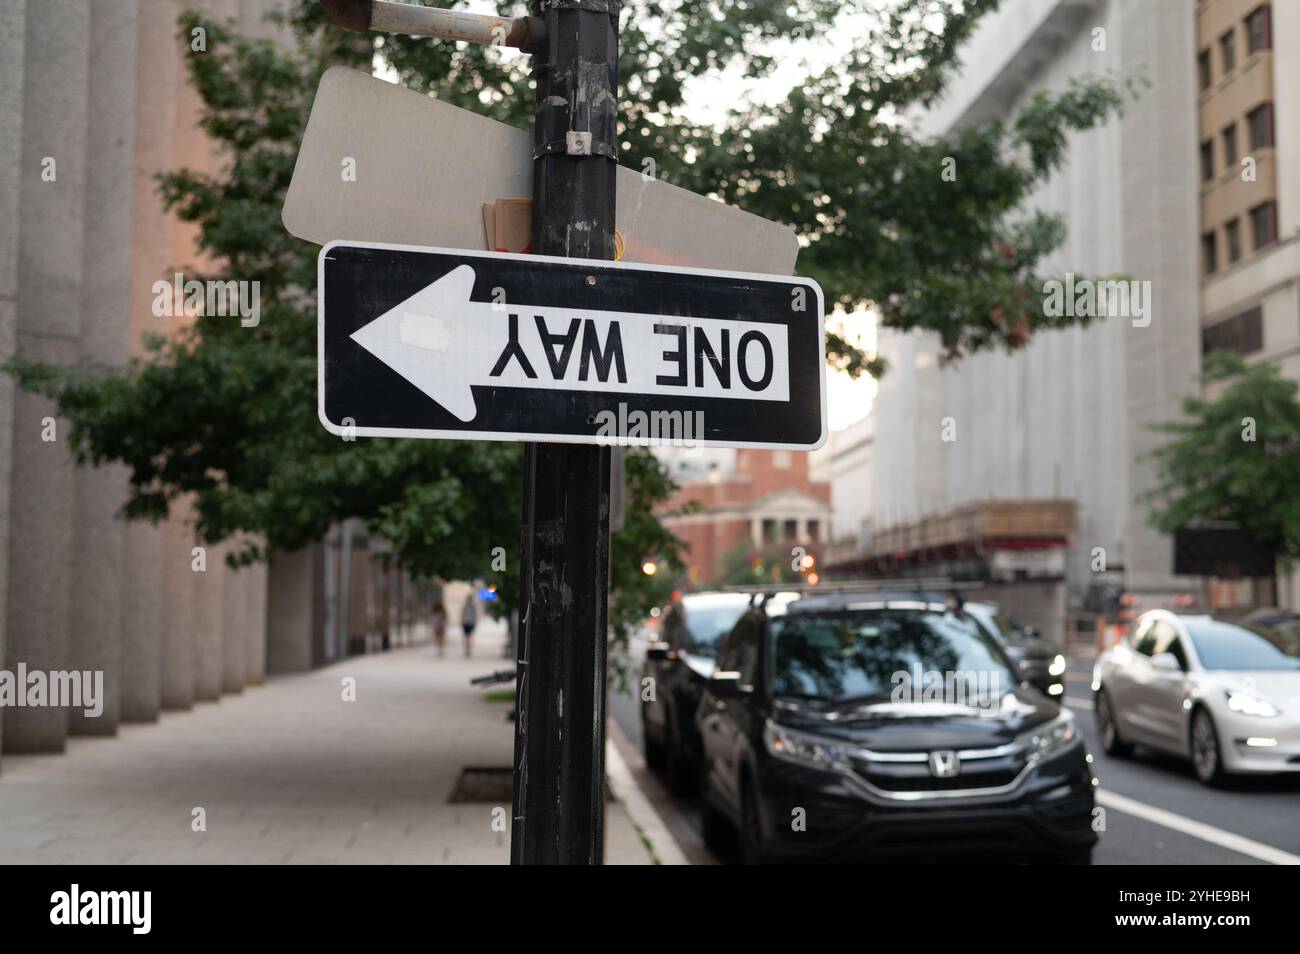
(288, 772)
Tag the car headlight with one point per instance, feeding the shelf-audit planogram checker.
(1058, 665)
(1050, 737)
(1247, 704)
(804, 749)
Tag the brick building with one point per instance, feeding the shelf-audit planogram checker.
(750, 501)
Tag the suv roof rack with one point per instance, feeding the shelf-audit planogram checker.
(841, 586)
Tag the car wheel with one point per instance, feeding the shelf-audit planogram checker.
(1108, 729)
(750, 835)
(679, 771)
(718, 834)
(1206, 754)
(654, 750)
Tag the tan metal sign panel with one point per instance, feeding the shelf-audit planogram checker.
(382, 163)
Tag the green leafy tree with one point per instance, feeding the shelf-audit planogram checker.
(745, 565)
(226, 414)
(926, 230)
(1234, 456)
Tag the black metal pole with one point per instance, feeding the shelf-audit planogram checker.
(563, 620)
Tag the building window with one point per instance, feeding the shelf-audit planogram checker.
(1230, 146)
(1228, 51)
(1207, 160)
(1259, 30)
(1233, 234)
(769, 531)
(814, 530)
(792, 530)
(1209, 253)
(1263, 224)
(1243, 333)
(1203, 68)
(1260, 121)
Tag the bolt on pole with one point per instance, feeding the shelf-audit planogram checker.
(560, 727)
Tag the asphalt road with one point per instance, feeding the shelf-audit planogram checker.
(1157, 813)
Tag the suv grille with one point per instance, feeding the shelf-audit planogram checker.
(915, 776)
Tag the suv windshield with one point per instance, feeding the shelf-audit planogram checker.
(706, 625)
(1012, 631)
(1282, 629)
(860, 654)
(1227, 647)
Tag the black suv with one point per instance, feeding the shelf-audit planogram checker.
(862, 724)
(1040, 662)
(680, 662)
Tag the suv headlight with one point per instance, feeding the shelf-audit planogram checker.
(1247, 704)
(1050, 737)
(803, 749)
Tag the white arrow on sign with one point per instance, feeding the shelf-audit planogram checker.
(444, 343)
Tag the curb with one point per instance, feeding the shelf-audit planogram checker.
(643, 815)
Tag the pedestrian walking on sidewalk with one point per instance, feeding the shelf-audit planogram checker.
(468, 620)
(440, 627)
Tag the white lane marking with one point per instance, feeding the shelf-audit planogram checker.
(1179, 823)
(1215, 836)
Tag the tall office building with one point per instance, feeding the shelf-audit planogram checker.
(1066, 419)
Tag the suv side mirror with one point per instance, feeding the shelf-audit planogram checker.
(1166, 662)
(725, 684)
(656, 650)
(1035, 675)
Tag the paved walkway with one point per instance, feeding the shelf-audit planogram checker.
(289, 773)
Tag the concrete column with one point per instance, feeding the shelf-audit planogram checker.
(178, 642)
(49, 225)
(255, 622)
(756, 532)
(291, 615)
(12, 63)
(1286, 113)
(142, 624)
(1158, 242)
(208, 595)
(234, 641)
(158, 73)
(100, 572)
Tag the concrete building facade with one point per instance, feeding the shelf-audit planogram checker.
(94, 103)
(1067, 417)
(845, 462)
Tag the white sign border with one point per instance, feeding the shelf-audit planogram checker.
(590, 440)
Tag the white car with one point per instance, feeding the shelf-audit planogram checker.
(1224, 696)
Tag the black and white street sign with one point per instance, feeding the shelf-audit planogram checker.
(447, 343)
